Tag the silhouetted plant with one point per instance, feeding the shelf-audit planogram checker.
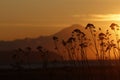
(114, 50)
(65, 44)
(55, 39)
(81, 38)
(115, 28)
(71, 47)
(43, 53)
(109, 45)
(40, 49)
(104, 47)
(17, 58)
(56, 43)
(27, 53)
(91, 27)
(102, 38)
(77, 45)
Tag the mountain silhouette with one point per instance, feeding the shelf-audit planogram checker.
(44, 41)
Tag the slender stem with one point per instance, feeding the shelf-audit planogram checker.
(117, 44)
(94, 43)
(114, 53)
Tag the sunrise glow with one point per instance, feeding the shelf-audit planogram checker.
(60, 39)
(106, 17)
(55, 15)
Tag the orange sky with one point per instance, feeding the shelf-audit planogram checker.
(32, 18)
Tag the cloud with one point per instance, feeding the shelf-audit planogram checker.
(99, 17)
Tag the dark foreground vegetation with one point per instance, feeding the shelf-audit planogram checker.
(77, 47)
(63, 73)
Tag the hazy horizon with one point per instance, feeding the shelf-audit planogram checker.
(32, 18)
